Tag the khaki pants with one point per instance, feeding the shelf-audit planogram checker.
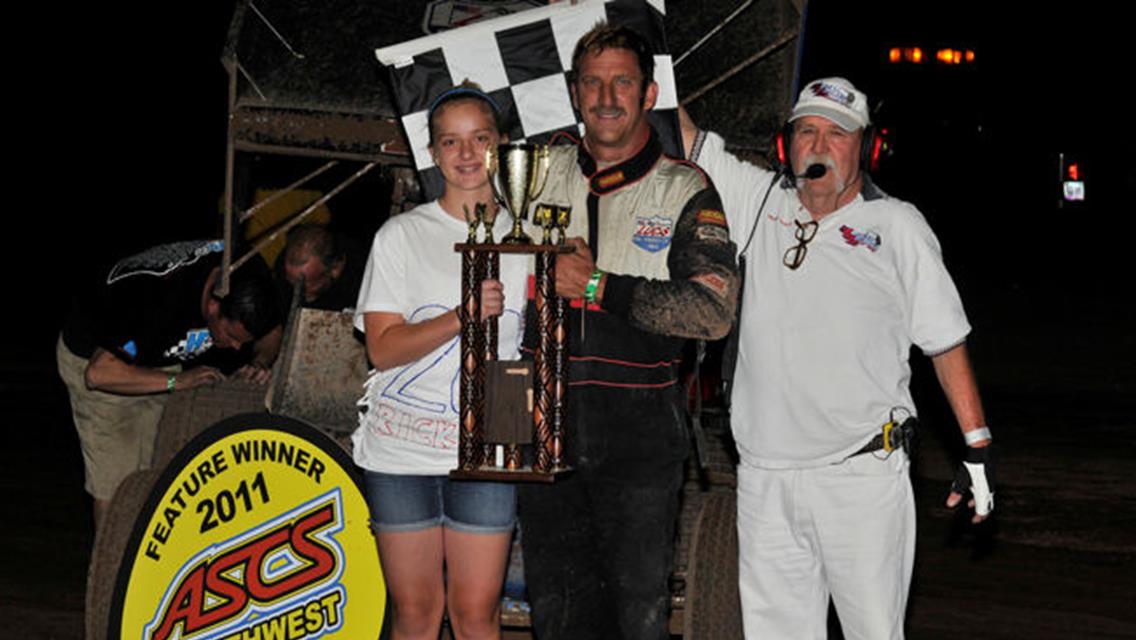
(116, 432)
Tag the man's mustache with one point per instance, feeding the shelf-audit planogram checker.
(821, 158)
(607, 112)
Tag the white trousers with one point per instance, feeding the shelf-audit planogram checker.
(845, 530)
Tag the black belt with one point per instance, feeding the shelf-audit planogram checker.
(875, 444)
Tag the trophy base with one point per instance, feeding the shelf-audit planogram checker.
(523, 474)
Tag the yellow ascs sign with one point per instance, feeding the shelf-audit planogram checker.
(257, 530)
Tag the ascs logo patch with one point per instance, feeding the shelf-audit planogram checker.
(652, 233)
(258, 529)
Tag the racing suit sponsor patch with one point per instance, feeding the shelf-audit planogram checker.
(610, 180)
(711, 216)
(712, 234)
(711, 281)
(652, 233)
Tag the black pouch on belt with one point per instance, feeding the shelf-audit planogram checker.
(903, 435)
(894, 435)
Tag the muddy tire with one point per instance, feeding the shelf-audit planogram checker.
(188, 413)
(110, 544)
(712, 609)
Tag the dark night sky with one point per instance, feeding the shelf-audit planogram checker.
(116, 136)
(976, 148)
(129, 151)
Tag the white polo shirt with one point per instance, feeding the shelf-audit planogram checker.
(823, 349)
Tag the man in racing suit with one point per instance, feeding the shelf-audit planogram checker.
(653, 266)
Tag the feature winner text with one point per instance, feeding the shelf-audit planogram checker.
(217, 495)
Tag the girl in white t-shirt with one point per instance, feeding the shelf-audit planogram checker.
(408, 433)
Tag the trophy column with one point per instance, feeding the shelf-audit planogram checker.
(471, 452)
(544, 362)
(492, 271)
(505, 405)
(560, 379)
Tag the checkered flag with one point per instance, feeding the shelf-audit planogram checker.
(522, 61)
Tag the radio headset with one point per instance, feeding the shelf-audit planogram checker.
(872, 148)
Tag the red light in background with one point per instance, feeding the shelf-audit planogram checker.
(894, 55)
(1074, 171)
(969, 56)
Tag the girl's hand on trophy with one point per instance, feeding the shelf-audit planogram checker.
(492, 298)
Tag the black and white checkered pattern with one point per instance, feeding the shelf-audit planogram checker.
(522, 61)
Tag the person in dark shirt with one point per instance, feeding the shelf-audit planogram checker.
(126, 341)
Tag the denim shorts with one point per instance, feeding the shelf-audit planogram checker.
(414, 503)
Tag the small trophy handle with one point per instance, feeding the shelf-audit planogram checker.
(491, 171)
(541, 173)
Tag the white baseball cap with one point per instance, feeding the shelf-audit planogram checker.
(834, 99)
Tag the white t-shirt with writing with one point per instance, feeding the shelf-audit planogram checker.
(408, 416)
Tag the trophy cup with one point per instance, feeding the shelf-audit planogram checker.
(523, 169)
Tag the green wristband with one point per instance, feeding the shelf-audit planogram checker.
(171, 381)
(593, 284)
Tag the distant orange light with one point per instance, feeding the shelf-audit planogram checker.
(916, 55)
(969, 55)
(894, 55)
(949, 56)
(1074, 172)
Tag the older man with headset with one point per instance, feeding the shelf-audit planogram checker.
(841, 280)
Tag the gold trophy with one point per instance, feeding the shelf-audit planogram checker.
(488, 219)
(474, 219)
(563, 219)
(550, 217)
(544, 216)
(523, 169)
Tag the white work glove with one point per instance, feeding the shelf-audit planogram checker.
(976, 476)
